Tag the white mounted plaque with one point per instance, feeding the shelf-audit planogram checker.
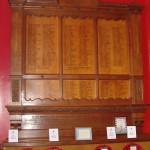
(53, 134)
(13, 135)
(131, 131)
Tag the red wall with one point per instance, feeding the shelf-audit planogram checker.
(5, 16)
(5, 25)
(146, 61)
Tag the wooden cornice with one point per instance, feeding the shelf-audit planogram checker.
(24, 3)
(95, 4)
(119, 6)
(18, 109)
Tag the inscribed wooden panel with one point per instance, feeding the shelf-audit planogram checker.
(114, 89)
(78, 46)
(42, 45)
(77, 89)
(42, 89)
(113, 48)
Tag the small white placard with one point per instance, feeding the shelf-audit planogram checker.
(104, 149)
(13, 135)
(133, 148)
(53, 134)
(131, 131)
(111, 133)
(83, 133)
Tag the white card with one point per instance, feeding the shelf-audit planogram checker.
(131, 131)
(104, 149)
(53, 134)
(133, 148)
(111, 133)
(13, 135)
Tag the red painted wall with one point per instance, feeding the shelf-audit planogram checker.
(5, 25)
(146, 61)
(5, 17)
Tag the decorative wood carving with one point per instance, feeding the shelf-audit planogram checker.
(139, 91)
(15, 83)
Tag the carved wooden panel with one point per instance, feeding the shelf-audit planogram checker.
(42, 89)
(15, 86)
(79, 89)
(78, 46)
(70, 121)
(138, 91)
(114, 89)
(42, 45)
(113, 46)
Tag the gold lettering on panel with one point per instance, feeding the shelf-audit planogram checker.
(78, 46)
(42, 89)
(114, 89)
(42, 45)
(113, 48)
(77, 89)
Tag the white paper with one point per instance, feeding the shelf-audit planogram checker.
(53, 134)
(131, 131)
(133, 148)
(13, 135)
(84, 134)
(111, 133)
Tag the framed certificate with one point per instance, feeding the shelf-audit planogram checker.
(121, 125)
(83, 133)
